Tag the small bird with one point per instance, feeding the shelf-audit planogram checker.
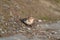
(28, 21)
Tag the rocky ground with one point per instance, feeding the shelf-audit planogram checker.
(47, 31)
(11, 11)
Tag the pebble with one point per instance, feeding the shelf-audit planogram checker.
(5, 30)
(21, 31)
(5, 6)
(6, 23)
(0, 29)
(50, 33)
(17, 6)
(14, 22)
(29, 28)
(11, 14)
(24, 27)
(46, 25)
(17, 31)
(39, 20)
(2, 32)
(38, 25)
(54, 32)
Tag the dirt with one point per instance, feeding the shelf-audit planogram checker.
(40, 9)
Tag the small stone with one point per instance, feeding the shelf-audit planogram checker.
(39, 20)
(5, 30)
(46, 25)
(21, 31)
(6, 23)
(6, 6)
(0, 29)
(50, 34)
(29, 28)
(15, 22)
(53, 32)
(49, 37)
(17, 6)
(38, 25)
(17, 31)
(11, 14)
(2, 32)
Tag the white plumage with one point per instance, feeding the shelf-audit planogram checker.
(29, 20)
